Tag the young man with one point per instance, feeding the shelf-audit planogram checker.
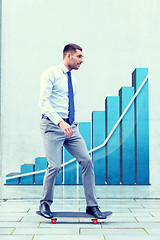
(59, 128)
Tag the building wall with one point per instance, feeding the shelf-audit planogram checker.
(117, 37)
(0, 100)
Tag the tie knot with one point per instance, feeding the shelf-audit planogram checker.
(69, 73)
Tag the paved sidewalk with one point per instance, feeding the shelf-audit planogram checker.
(132, 219)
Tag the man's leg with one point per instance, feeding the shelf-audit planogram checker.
(77, 147)
(53, 138)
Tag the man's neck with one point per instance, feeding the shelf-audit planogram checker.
(69, 69)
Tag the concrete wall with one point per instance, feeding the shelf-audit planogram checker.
(117, 36)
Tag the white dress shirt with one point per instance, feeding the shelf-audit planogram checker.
(54, 93)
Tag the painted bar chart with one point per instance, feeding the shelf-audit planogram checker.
(14, 181)
(40, 164)
(127, 137)
(141, 126)
(26, 168)
(117, 140)
(85, 131)
(70, 170)
(98, 136)
(113, 146)
(59, 179)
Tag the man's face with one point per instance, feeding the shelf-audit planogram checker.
(75, 59)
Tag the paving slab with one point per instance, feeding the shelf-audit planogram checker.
(18, 224)
(10, 219)
(131, 225)
(128, 237)
(69, 237)
(45, 231)
(115, 231)
(147, 219)
(153, 231)
(18, 237)
(13, 209)
(7, 230)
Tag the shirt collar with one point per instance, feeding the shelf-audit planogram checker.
(64, 68)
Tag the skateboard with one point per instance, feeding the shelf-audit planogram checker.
(74, 215)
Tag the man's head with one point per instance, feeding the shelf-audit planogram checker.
(72, 56)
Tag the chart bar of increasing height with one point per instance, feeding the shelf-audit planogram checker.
(14, 181)
(59, 176)
(85, 131)
(141, 126)
(113, 145)
(70, 170)
(98, 137)
(40, 164)
(26, 168)
(127, 137)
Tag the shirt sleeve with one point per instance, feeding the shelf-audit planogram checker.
(47, 82)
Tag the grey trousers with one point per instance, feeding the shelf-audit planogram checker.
(54, 138)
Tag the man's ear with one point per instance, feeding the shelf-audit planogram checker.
(68, 55)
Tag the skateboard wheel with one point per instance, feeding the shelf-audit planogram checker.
(53, 221)
(94, 221)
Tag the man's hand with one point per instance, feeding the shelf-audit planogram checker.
(68, 131)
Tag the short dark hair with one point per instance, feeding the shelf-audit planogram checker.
(71, 47)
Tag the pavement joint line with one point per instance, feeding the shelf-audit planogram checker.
(21, 219)
(104, 237)
(33, 237)
(130, 210)
(13, 231)
(28, 210)
(39, 224)
(142, 205)
(151, 214)
(136, 219)
(146, 231)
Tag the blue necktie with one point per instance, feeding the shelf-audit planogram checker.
(71, 99)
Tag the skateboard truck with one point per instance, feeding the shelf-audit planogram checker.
(54, 220)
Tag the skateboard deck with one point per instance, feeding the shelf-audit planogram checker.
(74, 215)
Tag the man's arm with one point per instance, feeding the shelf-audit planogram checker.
(47, 81)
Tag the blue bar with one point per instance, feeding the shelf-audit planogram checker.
(26, 168)
(113, 145)
(40, 164)
(14, 181)
(85, 131)
(142, 126)
(127, 137)
(59, 176)
(70, 170)
(98, 137)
